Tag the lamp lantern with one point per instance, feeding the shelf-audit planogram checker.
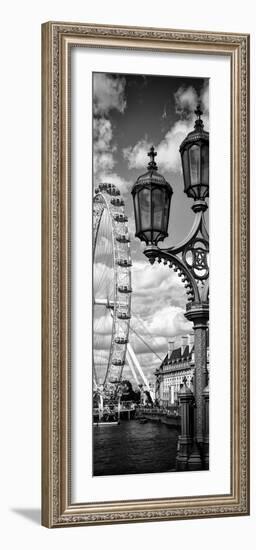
(151, 197)
(194, 152)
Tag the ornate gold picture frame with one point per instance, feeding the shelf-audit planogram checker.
(58, 508)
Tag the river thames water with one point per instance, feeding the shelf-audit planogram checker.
(134, 448)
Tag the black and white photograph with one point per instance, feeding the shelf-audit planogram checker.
(150, 274)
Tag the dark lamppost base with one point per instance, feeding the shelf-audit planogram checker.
(185, 442)
(195, 460)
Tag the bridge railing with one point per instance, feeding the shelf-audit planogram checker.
(159, 411)
(124, 406)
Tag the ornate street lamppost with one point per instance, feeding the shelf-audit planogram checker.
(152, 197)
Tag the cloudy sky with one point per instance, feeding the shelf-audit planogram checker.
(131, 113)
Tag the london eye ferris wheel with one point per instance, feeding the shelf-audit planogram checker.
(111, 287)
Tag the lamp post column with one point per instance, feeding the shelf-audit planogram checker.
(198, 313)
(186, 400)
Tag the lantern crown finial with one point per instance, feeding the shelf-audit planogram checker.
(198, 112)
(152, 154)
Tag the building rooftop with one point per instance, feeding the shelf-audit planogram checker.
(178, 356)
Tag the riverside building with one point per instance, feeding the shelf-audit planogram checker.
(178, 362)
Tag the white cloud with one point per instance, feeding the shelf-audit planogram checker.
(204, 99)
(169, 322)
(102, 133)
(158, 304)
(108, 93)
(156, 281)
(137, 155)
(147, 276)
(103, 158)
(103, 162)
(168, 154)
(186, 100)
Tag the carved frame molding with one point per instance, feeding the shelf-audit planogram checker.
(57, 40)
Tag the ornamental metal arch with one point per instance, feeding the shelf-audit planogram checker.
(189, 259)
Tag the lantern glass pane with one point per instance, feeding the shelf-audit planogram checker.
(166, 212)
(158, 200)
(194, 157)
(136, 211)
(185, 166)
(145, 208)
(205, 164)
